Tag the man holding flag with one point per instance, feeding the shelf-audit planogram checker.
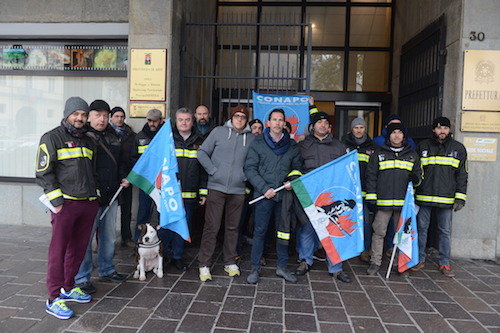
(272, 156)
(155, 174)
(154, 123)
(317, 149)
(387, 176)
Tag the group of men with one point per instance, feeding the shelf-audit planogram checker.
(80, 166)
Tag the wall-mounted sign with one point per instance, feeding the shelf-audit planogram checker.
(481, 149)
(148, 74)
(481, 81)
(475, 121)
(139, 110)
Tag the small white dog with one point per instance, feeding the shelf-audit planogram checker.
(148, 253)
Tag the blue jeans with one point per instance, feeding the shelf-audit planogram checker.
(367, 226)
(106, 235)
(308, 243)
(264, 209)
(143, 213)
(444, 218)
(171, 240)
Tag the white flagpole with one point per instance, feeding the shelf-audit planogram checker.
(111, 202)
(392, 260)
(263, 197)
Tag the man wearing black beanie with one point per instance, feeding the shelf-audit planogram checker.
(66, 171)
(444, 188)
(110, 176)
(389, 170)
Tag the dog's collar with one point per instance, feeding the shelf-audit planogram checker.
(149, 245)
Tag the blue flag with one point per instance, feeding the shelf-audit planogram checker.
(406, 237)
(331, 198)
(155, 174)
(296, 109)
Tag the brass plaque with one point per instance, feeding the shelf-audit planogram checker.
(481, 81)
(481, 149)
(148, 74)
(476, 121)
(139, 110)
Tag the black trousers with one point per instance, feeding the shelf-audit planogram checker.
(126, 213)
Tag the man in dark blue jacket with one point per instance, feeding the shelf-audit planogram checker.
(271, 157)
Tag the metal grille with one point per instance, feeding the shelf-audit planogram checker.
(223, 62)
(421, 79)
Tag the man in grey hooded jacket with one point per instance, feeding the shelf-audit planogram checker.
(223, 155)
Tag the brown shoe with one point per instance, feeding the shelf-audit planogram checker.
(365, 256)
(302, 269)
(446, 270)
(263, 261)
(418, 266)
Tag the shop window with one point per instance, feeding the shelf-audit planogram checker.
(27, 113)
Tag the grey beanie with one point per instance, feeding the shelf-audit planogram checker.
(74, 104)
(358, 121)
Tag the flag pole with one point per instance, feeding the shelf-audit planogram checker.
(263, 197)
(111, 202)
(392, 261)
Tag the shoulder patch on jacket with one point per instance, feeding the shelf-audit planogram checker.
(42, 158)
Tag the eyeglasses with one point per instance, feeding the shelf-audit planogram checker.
(241, 116)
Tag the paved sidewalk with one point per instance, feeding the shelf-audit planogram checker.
(424, 302)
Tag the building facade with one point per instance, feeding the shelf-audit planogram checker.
(356, 57)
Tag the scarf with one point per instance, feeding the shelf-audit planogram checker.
(120, 130)
(280, 147)
(77, 132)
(360, 141)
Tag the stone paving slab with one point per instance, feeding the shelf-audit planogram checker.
(426, 301)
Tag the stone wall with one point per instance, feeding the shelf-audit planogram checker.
(476, 229)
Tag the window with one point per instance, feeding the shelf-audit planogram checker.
(368, 71)
(370, 27)
(328, 25)
(28, 113)
(327, 70)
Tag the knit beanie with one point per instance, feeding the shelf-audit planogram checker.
(395, 126)
(239, 108)
(117, 109)
(315, 117)
(357, 122)
(99, 105)
(441, 121)
(391, 118)
(255, 121)
(74, 104)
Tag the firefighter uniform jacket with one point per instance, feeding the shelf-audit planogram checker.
(365, 150)
(65, 167)
(192, 175)
(388, 174)
(142, 140)
(445, 173)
